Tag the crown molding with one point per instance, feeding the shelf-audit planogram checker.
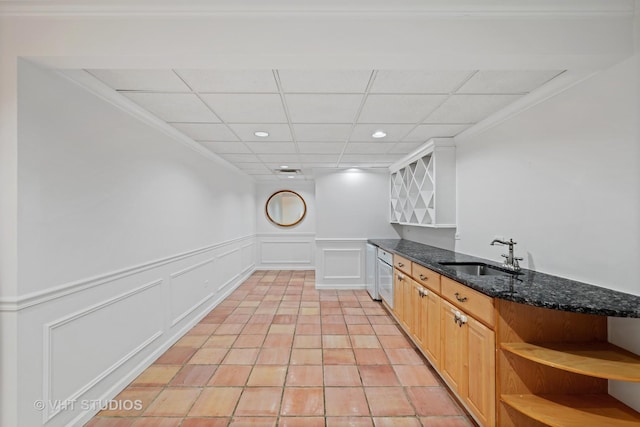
(436, 8)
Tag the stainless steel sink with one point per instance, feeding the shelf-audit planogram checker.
(477, 269)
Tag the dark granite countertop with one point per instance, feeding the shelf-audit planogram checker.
(530, 287)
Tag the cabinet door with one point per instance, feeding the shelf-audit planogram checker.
(409, 302)
(481, 383)
(454, 352)
(398, 293)
(418, 297)
(431, 329)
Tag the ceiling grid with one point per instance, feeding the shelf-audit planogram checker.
(320, 118)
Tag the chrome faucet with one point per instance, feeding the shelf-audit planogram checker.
(510, 262)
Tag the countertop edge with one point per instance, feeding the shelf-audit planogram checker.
(530, 287)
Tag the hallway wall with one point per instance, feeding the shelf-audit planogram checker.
(288, 248)
(126, 238)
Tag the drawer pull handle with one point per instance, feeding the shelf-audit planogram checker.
(459, 298)
(423, 277)
(400, 264)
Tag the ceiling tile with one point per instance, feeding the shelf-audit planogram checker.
(174, 107)
(252, 166)
(323, 165)
(277, 131)
(334, 81)
(368, 147)
(247, 107)
(280, 159)
(501, 81)
(437, 81)
(405, 147)
(377, 158)
(272, 147)
(241, 158)
(226, 147)
(423, 133)
(256, 171)
(320, 147)
(319, 158)
(153, 80)
(399, 108)
(265, 177)
(230, 80)
(395, 132)
(206, 131)
(324, 132)
(469, 108)
(323, 108)
(289, 165)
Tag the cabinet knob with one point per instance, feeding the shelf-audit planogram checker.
(459, 298)
(400, 276)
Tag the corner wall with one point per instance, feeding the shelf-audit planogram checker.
(563, 180)
(286, 248)
(126, 238)
(352, 206)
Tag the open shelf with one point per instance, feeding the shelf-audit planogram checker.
(595, 359)
(415, 199)
(578, 410)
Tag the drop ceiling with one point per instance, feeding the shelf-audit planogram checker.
(320, 119)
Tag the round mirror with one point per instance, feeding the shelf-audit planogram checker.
(286, 208)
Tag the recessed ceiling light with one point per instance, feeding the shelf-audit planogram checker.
(291, 176)
(261, 133)
(379, 134)
(284, 167)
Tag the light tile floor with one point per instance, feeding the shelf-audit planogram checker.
(279, 352)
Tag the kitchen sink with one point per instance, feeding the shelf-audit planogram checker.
(478, 269)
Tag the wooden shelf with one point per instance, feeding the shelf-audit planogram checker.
(579, 410)
(595, 359)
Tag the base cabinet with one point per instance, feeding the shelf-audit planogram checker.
(514, 365)
(481, 379)
(427, 323)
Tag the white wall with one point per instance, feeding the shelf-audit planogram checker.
(126, 238)
(352, 206)
(563, 180)
(286, 247)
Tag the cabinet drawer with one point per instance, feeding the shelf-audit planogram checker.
(402, 264)
(426, 277)
(472, 302)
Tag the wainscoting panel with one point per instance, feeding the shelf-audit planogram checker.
(286, 251)
(102, 334)
(229, 267)
(188, 285)
(341, 263)
(89, 339)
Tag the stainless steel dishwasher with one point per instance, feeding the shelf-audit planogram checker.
(385, 276)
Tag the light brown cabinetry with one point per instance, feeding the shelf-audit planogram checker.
(553, 369)
(437, 313)
(468, 358)
(514, 365)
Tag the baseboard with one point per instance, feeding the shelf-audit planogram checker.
(285, 267)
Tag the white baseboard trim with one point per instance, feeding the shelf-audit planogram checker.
(120, 385)
(285, 267)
